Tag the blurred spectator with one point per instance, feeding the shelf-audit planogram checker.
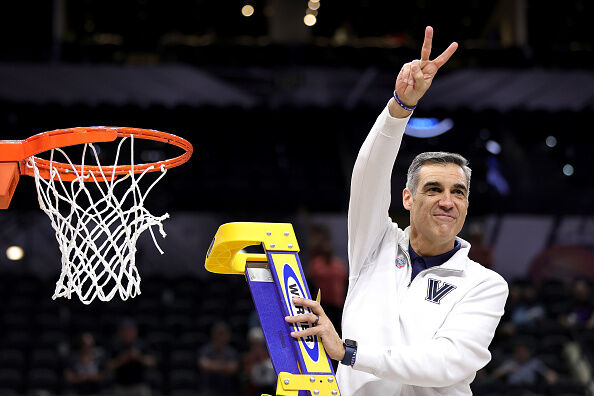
(528, 311)
(581, 309)
(84, 373)
(328, 273)
(258, 373)
(523, 309)
(129, 362)
(523, 369)
(219, 363)
(479, 251)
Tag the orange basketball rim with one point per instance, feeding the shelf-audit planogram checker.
(14, 154)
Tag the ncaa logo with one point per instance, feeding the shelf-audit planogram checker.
(293, 288)
(400, 262)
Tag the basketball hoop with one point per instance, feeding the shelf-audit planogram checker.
(96, 230)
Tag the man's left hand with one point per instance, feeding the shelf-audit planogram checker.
(324, 329)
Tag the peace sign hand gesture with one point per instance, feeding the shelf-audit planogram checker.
(415, 77)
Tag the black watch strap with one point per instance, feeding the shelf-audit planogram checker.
(350, 354)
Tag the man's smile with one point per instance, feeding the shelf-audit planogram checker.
(444, 216)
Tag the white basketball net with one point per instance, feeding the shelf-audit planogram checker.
(96, 231)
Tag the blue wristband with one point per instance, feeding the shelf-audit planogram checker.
(405, 107)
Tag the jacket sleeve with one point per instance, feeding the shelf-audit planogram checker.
(370, 188)
(458, 349)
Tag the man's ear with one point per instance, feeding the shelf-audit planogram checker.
(407, 199)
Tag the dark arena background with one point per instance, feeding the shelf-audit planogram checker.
(277, 96)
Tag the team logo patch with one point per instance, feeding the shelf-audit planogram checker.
(400, 262)
(436, 290)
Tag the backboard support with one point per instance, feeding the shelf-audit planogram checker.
(9, 178)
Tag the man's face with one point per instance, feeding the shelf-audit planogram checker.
(439, 205)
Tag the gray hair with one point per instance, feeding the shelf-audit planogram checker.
(435, 157)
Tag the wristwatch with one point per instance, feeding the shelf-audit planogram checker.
(350, 354)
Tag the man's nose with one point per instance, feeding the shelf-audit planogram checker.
(445, 201)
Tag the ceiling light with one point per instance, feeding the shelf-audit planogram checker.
(247, 10)
(15, 253)
(309, 19)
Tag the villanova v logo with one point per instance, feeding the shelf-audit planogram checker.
(435, 292)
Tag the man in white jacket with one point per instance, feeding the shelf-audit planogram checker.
(419, 314)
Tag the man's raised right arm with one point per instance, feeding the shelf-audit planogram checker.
(370, 184)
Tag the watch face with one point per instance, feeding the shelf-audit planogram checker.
(350, 343)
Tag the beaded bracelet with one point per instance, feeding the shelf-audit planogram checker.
(405, 107)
